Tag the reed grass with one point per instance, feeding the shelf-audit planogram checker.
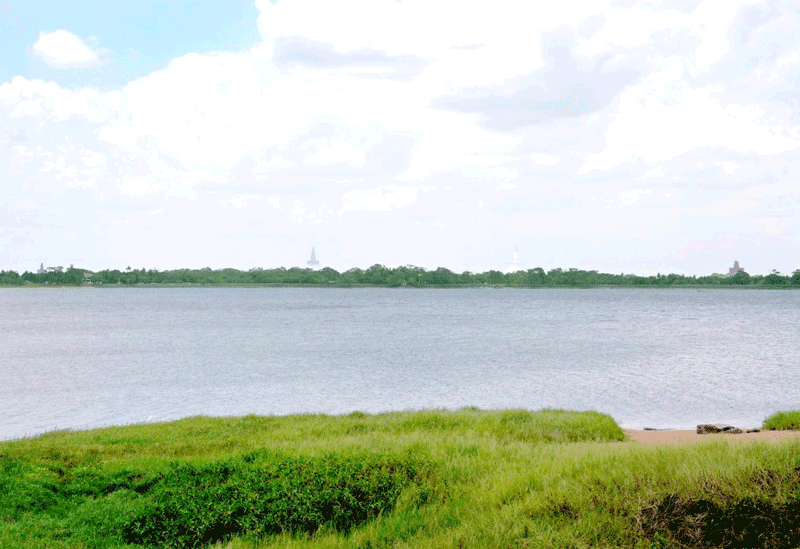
(783, 421)
(466, 478)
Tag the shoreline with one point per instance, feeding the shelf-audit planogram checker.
(679, 437)
(697, 287)
(662, 436)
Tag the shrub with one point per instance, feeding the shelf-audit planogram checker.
(783, 421)
(29, 488)
(192, 506)
(698, 523)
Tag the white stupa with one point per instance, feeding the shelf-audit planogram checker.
(313, 261)
(516, 264)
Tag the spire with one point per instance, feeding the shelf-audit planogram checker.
(313, 261)
(516, 264)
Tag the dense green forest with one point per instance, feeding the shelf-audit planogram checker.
(379, 275)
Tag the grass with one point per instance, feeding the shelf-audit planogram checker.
(426, 479)
(783, 421)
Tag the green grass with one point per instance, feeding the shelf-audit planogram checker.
(426, 479)
(783, 421)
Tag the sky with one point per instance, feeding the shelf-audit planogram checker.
(653, 136)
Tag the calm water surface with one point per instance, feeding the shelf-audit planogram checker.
(81, 358)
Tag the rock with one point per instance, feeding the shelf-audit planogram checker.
(706, 428)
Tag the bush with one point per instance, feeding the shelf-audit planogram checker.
(554, 425)
(193, 506)
(28, 488)
(747, 522)
(783, 421)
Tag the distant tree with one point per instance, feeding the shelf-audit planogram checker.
(377, 275)
(352, 276)
(11, 278)
(74, 277)
(516, 278)
(261, 276)
(574, 277)
(410, 274)
(297, 275)
(439, 277)
(555, 276)
(328, 275)
(774, 279)
(740, 278)
(496, 277)
(535, 277)
(109, 277)
(464, 278)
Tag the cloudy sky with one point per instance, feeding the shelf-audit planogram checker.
(624, 136)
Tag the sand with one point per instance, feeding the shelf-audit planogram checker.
(678, 437)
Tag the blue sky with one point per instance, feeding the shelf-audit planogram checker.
(142, 36)
(625, 136)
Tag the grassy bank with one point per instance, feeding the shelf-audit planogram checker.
(425, 479)
(782, 421)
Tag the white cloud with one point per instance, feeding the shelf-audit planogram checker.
(26, 204)
(656, 122)
(272, 163)
(383, 199)
(545, 159)
(63, 50)
(505, 174)
(631, 197)
(36, 98)
(240, 200)
(23, 152)
(337, 152)
(220, 135)
(658, 171)
(716, 17)
(788, 60)
(138, 185)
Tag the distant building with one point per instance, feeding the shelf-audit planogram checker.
(41, 269)
(735, 269)
(516, 264)
(313, 261)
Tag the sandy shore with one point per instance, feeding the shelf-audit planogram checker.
(679, 437)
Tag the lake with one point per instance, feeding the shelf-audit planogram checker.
(76, 358)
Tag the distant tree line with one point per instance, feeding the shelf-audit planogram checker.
(379, 275)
